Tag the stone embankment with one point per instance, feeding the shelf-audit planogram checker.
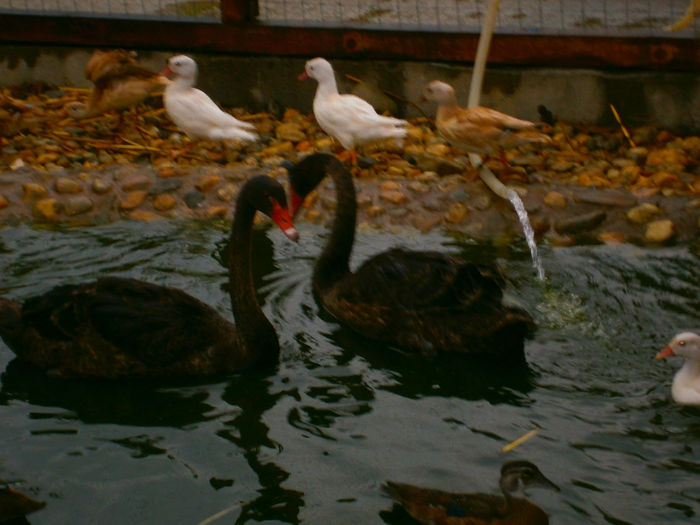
(587, 185)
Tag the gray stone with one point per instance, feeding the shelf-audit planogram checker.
(580, 223)
(165, 186)
(77, 205)
(605, 198)
(193, 198)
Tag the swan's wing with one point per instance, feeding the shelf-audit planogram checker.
(151, 323)
(416, 280)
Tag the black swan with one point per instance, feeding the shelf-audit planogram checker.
(438, 507)
(417, 300)
(119, 327)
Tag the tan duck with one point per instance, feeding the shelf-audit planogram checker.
(119, 83)
(479, 129)
(14, 505)
(435, 507)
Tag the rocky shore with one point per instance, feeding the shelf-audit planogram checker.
(589, 185)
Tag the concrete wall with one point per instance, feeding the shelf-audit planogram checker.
(669, 99)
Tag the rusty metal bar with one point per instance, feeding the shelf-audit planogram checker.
(336, 42)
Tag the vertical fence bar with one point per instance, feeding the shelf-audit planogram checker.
(239, 10)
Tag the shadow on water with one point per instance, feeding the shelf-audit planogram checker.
(251, 393)
(137, 402)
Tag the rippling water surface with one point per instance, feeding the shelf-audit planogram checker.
(312, 441)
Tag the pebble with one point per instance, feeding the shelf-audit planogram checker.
(390, 185)
(77, 205)
(643, 213)
(66, 185)
(418, 187)
(395, 197)
(136, 182)
(580, 223)
(216, 211)
(432, 204)
(165, 186)
(206, 183)
(554, 199)
(227, 192)
(143, 215)
(164, 202)
(637, 154)
(99, 186)
(193, 198)
(133, 200)
(659, 231)
(33, 191)
(290, 131)
(46, 209)
(608, 198)
(375, 211)
(4, 203)
(456, 213)
(561, 166)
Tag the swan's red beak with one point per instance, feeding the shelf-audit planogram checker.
(295, 202)
(284, 221)
(666, 352)
(303, 76)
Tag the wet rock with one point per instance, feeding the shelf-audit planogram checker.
(164, 202)
(554, 199)
(432, 204)
(481, 202)
(206, 183)
(215, 211)
(227, 192)
(456, 213)
(643, 213)
(611, 237)
(418, 187)
(77, 205)
(437, 164)
(660, 231)
(46, 209)
(4, 203)
(193, 198)
(32, 191)
(580, 223)
(638, 154)
(143, 215)
(290, 131)
(605, 198)
(561, 166)
(133, 200)
(66, 185)
(17, 164)
(375, 211)
(395, 197)
(136, 182)
(165, 186)
(390, 185)
(100, 186)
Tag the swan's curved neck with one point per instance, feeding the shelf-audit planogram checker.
(334, 261)
(507, 505)
(256, 335)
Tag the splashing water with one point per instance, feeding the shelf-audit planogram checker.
(517, 203)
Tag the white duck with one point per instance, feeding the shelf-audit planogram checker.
(194, 112)
(348, 118)
(686, 383)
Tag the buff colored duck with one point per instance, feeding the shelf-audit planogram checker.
(348, 118)
(119, 83)
(194, 112)
(479, 129)
(686, 383)
(435, 507)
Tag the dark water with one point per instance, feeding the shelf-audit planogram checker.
(312, 441)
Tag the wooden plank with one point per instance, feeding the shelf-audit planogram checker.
(337, 42)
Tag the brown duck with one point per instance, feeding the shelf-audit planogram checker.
(435, 507)
(117, 327)
(14, 505)
(119, 83)
(416, 300)
(479, 129)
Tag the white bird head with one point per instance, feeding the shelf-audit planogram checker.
(439, 92)
(181, 66)
(686, 344)
(319, 69)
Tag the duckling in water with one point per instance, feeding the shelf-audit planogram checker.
(14, 505)
(119, 83)
(435, 507)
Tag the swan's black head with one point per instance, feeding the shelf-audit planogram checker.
(306, 175)
(267, 195)
(518, 474)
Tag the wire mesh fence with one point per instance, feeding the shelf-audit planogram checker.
(576, 17)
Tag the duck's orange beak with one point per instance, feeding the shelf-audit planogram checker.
(666, 352)
(303, 76)
(167, 71)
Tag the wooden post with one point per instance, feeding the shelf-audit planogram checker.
(239, 10)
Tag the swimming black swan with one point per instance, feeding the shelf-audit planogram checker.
(438, 507)
(417, 300)
(118, 327)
